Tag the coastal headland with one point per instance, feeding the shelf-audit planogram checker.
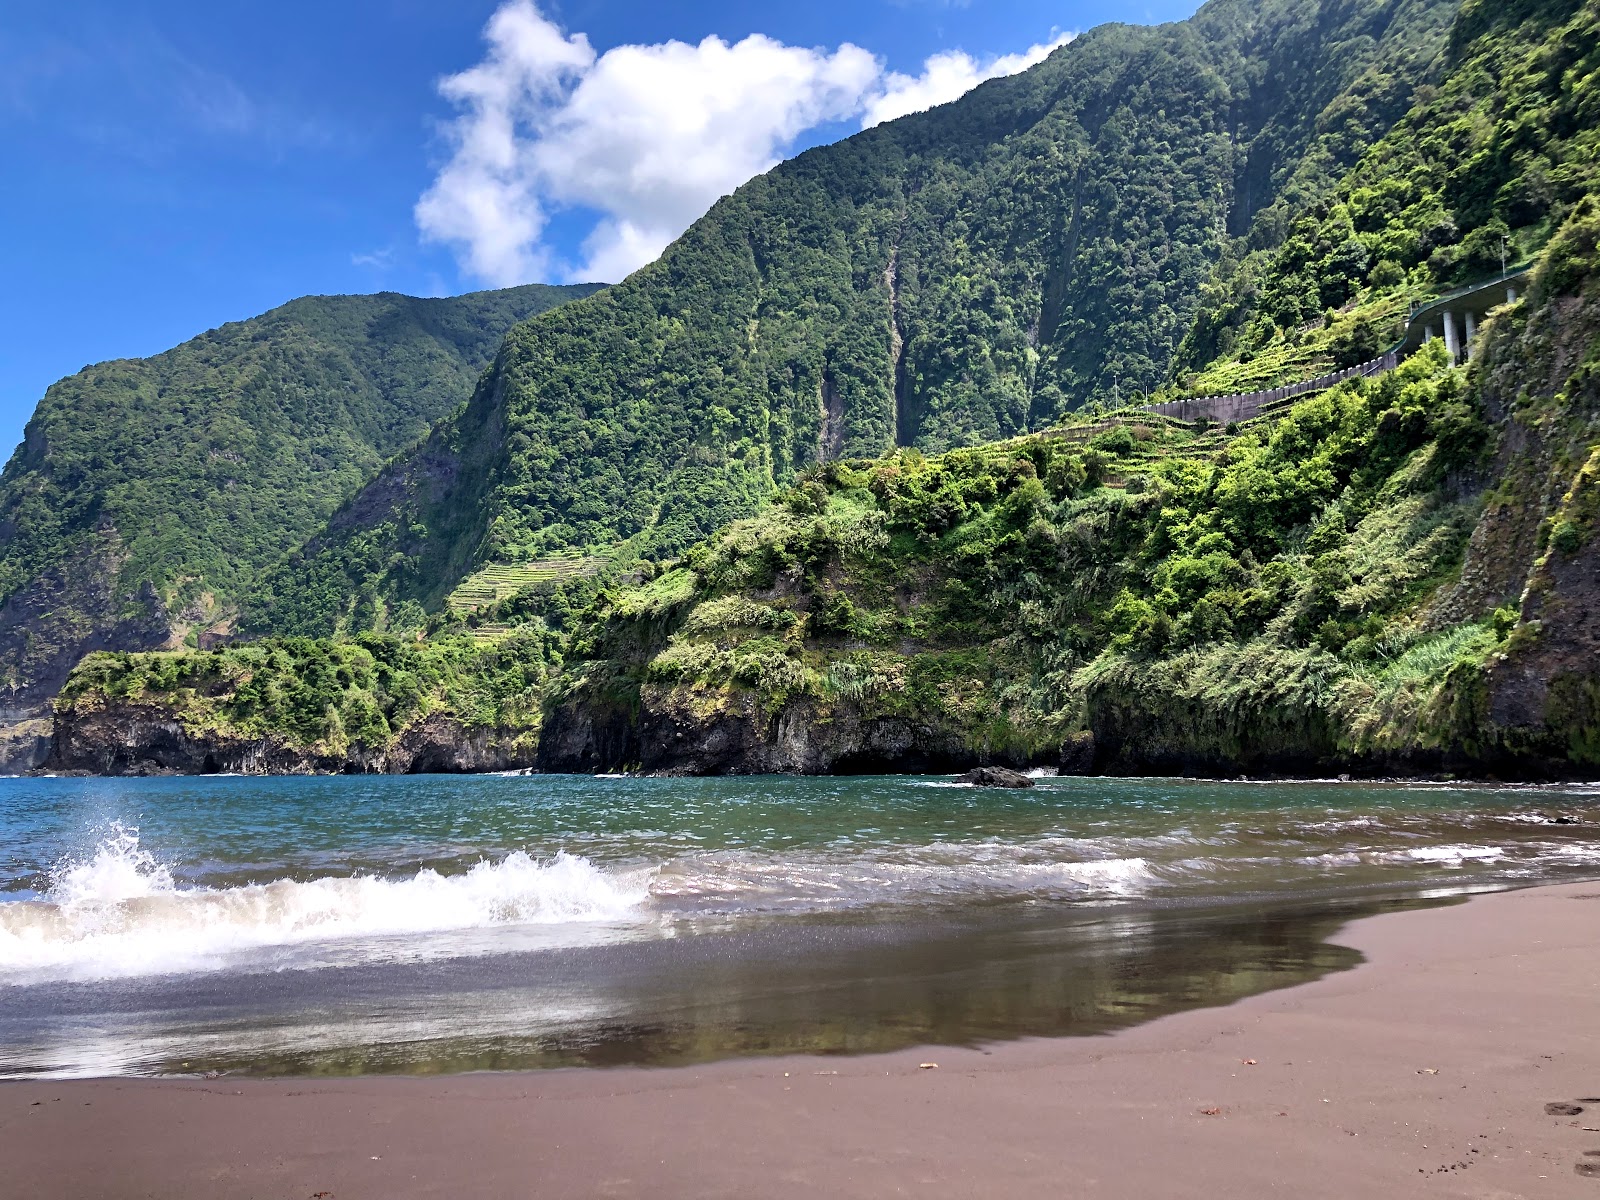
(1461, 1059)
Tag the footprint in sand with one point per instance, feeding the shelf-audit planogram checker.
(1563, 1108)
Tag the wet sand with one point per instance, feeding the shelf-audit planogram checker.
(1426, 1071)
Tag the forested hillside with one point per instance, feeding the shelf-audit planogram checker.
(1477, 175)
(1401, 575)
(951, 278)
(148, 492)
(1396, 575)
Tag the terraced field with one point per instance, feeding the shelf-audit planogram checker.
(500, 581)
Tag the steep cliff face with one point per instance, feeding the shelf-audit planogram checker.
(24, 741)
(71, 609)
(691, 731)
(1544, 696)
(149, 495)
(142, 738)
(1399, 577)
(1538, 546)
(947, 279)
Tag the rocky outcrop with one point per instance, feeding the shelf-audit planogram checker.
(72, 608)
(24, 743)
(999, 777)
(691, 731)
(136, 738)
(1537, 702)
(440, 745)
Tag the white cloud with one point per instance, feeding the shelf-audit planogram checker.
(654, 134)
(647, 137)
(486, 201)
(947, 76)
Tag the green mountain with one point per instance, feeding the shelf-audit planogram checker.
(1395, 574)
(1399, 575)
(1476, 175)
(947, 279)
(148, 493)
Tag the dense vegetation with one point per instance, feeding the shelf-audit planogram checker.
(1245, 599)
(331, 698)
(1399, 574)
(922, 556)
(156, 489)
(948, 279)
(1477, 174)
(994, 593)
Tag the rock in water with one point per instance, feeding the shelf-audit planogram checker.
(995, 777)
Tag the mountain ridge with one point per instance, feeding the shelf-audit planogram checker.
(780, 502)
(147, 492)
(875, 292)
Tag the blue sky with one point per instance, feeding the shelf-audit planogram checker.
(172, 164)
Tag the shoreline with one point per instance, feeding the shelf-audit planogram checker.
(1443, 780)
(1424, 1071)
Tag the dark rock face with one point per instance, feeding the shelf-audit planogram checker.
(1535, 710)
(1077, 754)
(147, 739)
(70, 610)
(24, 741)
(679, 731)
(579, 738)
(1000, 777)
(441, 745)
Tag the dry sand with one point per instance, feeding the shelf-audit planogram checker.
(1425, 1072)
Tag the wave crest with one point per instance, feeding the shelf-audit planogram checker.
(119, 912)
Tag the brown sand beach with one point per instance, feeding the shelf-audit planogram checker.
(1462, 1059)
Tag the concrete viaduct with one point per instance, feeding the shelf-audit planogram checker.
(1453, 316)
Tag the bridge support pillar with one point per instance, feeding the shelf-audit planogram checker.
(1427, 335)
(1452, 342)
(1472, 334)
(1511, 295)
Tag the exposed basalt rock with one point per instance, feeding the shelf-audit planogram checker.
(1536, 706)
(71, 609)
(440, 745)
(688, 731)
(700, 731)
(24, 743)
(1543, 694)
(581, 738)
(998, 777)
(1167, 733)
(147, 739)
(1077, 754)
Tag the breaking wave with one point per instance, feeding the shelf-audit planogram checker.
(119, 912)
(904, 875)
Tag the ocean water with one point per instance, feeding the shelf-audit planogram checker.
(346, 925)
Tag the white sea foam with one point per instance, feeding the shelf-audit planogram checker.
(1444, 856)
(1455, 855)
(940, 872)
(119, 912)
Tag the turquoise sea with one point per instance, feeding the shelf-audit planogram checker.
(343, 925)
